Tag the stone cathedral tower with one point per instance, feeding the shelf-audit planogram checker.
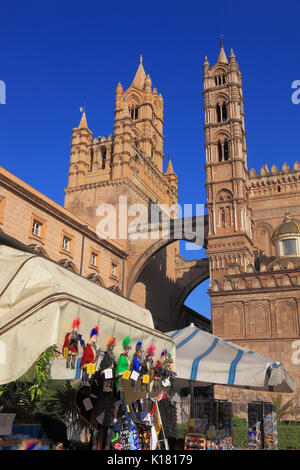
(230, 236)
(127, 163)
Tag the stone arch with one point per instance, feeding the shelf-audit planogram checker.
(151, 248)
(262, 235)
(39, 249)
(220, 98)
(286, 318)
(94, 277)
(68, 264)
(258, 319)
(224, 195)
(233, 320)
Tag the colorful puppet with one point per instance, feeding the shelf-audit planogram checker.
(90, 356)
(123, 363)
(137, 362)
(108, 365)
(159, 369)
(71, 344)
(147, 369)
(167, 373)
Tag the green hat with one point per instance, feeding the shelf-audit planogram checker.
(126, 343)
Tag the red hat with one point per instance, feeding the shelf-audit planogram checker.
(76, 323)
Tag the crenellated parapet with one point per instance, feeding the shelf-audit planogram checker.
(280, 273)
(274, 180)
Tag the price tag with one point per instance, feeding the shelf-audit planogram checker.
(90, 368)
(126, 375)
(66, 352)
(108, 373)
(146, 379)
(166, 382)
(134, 375)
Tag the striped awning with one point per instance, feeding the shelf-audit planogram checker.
(205, 358)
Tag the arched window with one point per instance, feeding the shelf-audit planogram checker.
(220, 152)
(91, 159)
(103, 153)
(218, 109)
(224, 112)
(226, 150)
(134, 113)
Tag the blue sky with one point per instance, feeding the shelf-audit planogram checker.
(55, 56)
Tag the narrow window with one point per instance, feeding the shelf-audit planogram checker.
(223, 79)
(91, 159)
(103, 152)
(66, 243)
(93, 259)
(114, 268)
(36, 228)
(226, 150)
(218, 113)
(224, 112)
(220, 151)
(216, 81)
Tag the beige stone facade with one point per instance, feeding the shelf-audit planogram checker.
(253, 248)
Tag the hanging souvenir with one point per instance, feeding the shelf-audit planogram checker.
(136, 364)
(147, 369)
(71, 344)
(108, 365)
(158, 369)
(167, 373)
(89, 358)
(123, 363)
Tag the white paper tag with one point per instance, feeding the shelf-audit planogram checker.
(134, 375)
(108, 373)
(166, 382)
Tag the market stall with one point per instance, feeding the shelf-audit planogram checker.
(102, 339)
(203, 359)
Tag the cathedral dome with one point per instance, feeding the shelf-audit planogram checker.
(286, 237)
(288, 225)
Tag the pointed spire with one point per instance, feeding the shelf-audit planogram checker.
(83, 121)
(140, 75)
(170, 170)
(232, 55)
(222, 56)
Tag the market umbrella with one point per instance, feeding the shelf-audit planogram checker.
(207, 359)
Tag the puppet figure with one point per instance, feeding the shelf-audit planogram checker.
(90, 356)
(167, 372)
(123, 363)
(108, 363)
(137, 362)
(148, 367)
(71, 344)
(158, 369)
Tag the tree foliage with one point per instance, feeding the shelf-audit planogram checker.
(25, 396)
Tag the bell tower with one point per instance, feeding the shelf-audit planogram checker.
(230, 221)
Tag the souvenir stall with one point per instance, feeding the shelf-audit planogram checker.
(103, 340)
(212, 430)
(262, 426)
(203, 359)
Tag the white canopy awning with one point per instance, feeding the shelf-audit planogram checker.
(38, 302)
(207, 359)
